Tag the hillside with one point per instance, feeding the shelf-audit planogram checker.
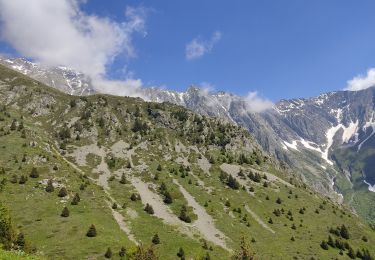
(153, 177)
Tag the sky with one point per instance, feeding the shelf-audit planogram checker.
(267, 49)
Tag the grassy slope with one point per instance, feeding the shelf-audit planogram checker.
(37, 212)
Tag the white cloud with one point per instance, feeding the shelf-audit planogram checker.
(57, 32)
(198, 47)
(362, 81)
(257, 104)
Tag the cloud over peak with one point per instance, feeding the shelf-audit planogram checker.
(58, 33)
(199, 47)
(257, 104)
(362, 81)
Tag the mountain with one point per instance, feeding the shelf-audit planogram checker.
(312, 136)
(83, 177)
(62, 78)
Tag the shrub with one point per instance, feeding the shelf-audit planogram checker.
(108, 254)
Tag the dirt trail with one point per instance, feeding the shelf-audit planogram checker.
(161, 210)
(257, 219)
(205, 223)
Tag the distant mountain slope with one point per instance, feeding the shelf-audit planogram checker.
(303, 133)
(131, 172)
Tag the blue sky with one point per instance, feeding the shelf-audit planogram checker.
(282, 49)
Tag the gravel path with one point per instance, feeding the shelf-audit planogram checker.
(205, 223)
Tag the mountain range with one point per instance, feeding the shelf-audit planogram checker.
(327, 140)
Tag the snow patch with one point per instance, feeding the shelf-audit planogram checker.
(370, 187)
(292, 145)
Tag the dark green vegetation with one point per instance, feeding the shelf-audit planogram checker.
(92, 177)
(355, 165)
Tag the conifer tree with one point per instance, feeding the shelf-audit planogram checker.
(181, 253)
(344, 232)
(156, 239)
(167, 198)
(62, 192)
(183, 215)
(91, 232)
(324, 245)
(22, 180)
(76, 199)
(34, 173)
(108, 253)
(123, 179)
(149, 209)
(65, 212)
(49, 187)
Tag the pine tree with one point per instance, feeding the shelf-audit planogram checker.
(344, 232)
(270, 221)
(351, 253)
(149, 209)
(181, 253)
(330, 242)
(91, 232)
(167, 198)
(122, 252)
(108, 254)
(324, 245)
(65, 212)
(34, 173)
(50, 187)
(156, 239)
(22, 180)
(183, 215)
(62, 192)
(123, 179)
(159, 168)
(133, 197)
(114, 205)
(233, 183)
(279, 201)
(76, 199)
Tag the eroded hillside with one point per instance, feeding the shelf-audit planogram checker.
(84, 174)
